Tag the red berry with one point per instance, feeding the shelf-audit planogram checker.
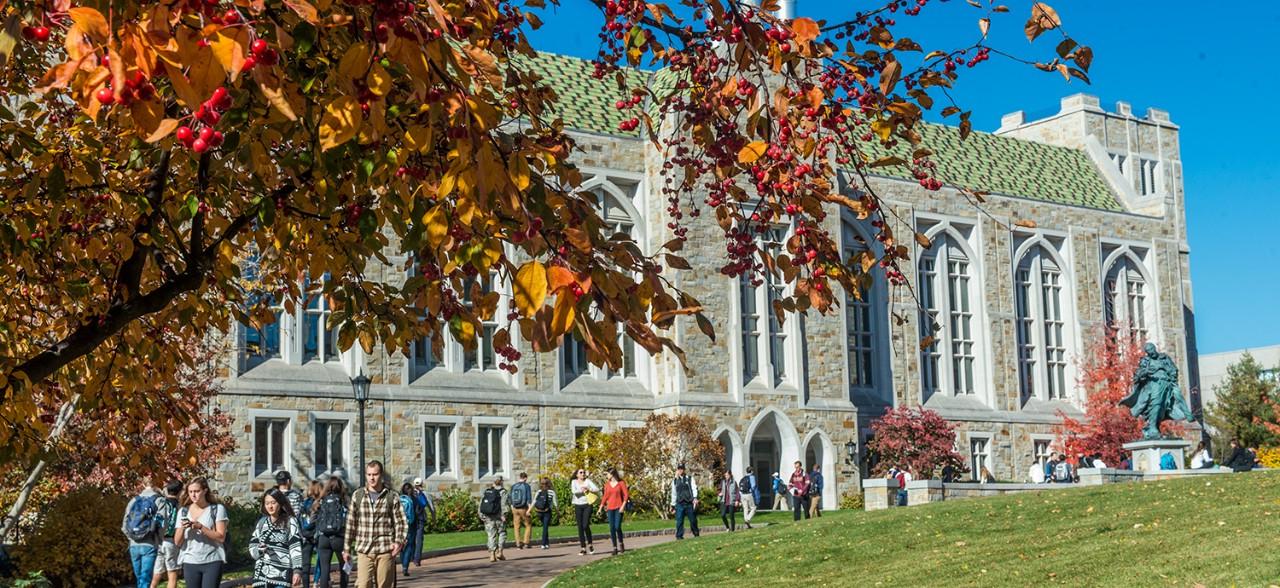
(231, 17)
(184, 134)
(41, 34)
(269, 57)
(29, 33)
(206, 134)
(258, 46)
(215, 139)
(201, 44)
(106, 96)
(199, 146)
(249, 62)
(219, 97)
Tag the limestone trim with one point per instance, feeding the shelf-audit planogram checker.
(789, 441)
(881, 364)
(601, 424)
(1058, 248)
(503, 465)
(827, 461)
(795, 376)
(630, 425)
(454, 451)
(349, 422)
(988, 444)
(736, 460)
(288, 460)
(1141, 254)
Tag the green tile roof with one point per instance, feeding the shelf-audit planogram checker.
(985, 162)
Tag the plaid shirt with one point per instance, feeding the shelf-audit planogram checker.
(378, 527)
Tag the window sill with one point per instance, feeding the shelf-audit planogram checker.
(758, 387)
(276, 369)
(619, 386)
(440, 377)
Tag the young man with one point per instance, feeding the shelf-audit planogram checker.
(520, 499)
(376, 528)
(780, 500)
(284, 483)
(167, 556)
(1063, 473)
(799, 484)
(815, 491)
(424, 506)
(750, 490)
(494, 516)
(141, 526)
(684, 501)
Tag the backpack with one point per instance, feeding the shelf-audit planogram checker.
(1167, 462)
(491, 502)
(169, 506)
(143, 519)
(305, 525)
(1062, 472)
(406, 503)
(543, 502)
(520, 495)
(744, 485)
(331, 517)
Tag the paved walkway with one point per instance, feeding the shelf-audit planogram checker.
(523, 567)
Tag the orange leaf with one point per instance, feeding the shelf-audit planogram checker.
(805, 29)
(91, 22)
(165, 127)
(753, 151)
(230, 47)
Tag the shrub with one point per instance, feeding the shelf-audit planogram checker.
(30, 580)
(240, 521)
(79, 542)
(915, 438)
(852, 500)
(1269, 457)
(708, 501)
(456, 510)
(563, 513)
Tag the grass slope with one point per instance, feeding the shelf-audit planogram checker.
(1212, 531)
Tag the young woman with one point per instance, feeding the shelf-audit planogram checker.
(408, 504)
(585, 492)
(276, 543)
(200, 537)
(730, 498)
(1201, 458)
(544, 503)
(314, 492)
(616, 496)
(330, 516)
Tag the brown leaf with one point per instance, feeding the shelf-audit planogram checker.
(923, 241)
(90, 22)
(805, 29)
(889, 76)
(1084, 57)
(165, 127)
(927, 342)
(304, 9)
(1043, 18)
(984, 25)
(1026, 223)
(704, 325)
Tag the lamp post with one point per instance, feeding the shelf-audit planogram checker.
(360, 387)
(851, 452)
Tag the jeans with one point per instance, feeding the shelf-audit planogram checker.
(202, 575)
(684, 511)
(143, 558)
(308, 550)
(406, 554)
(582, 514)
(418, 540)
(545, 519)
(326, 548)
(902, 498)
(729, 515)
(615, 525)
(800, 506)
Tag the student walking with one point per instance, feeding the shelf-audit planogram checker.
(376, 528)
(750, 491)
(799, 485)
(815, 491)
(544, 504)
(410, 508)
(142, 526)
(330, 517)
(167, 567)
(521, 500)
(684, 501)
(276, 544)
(494, 517)
(308, 527)
(585, 493)
(616, 496)
(425, 506)
(730, 498)
(780, 500)
(201, 536)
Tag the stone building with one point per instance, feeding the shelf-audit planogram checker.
(1103, 189)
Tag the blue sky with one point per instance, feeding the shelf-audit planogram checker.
(1218, 83)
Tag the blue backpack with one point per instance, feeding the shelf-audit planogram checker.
(1167, 462)
(406, 504)
(143, 519)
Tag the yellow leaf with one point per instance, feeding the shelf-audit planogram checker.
(562, 314)
(378, 80)
(463, 330)
(530, 288)
(91, 22)
(340, 122)
(165, 127)
(882, 129)
(230, 46)
(753, 151)
(355, 63)
(417, 138)
(437, 226)
(518, 168)
(271, 87)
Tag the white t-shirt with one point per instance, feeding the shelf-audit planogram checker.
(196, 547)
(1200, 459)
(580, 490)
(1097, 463)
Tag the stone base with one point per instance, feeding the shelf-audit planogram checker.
(1147, 454)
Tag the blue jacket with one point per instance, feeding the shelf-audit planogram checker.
(815, 479)
(755, 488)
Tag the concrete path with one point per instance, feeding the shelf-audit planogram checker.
(523, 567)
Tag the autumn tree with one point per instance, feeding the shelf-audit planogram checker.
(1244, 406)
(916, 439)
(155, 153)
(648, 456)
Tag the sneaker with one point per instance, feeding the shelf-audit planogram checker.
(406, 573)
(582, 552)
(546, 547)
(591, 549)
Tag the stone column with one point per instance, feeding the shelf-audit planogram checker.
(924, 492)
(879, 493)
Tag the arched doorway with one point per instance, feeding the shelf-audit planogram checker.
(818, 450)
(732, 446)
(772, 445)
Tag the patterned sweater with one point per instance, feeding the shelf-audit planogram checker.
(276, 549)
(375, 527)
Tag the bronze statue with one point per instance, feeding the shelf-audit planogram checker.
(1156, 396)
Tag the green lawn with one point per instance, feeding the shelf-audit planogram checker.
(447, 540)
(1212, 531)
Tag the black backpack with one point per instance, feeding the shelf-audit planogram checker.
(491, 503)
(331, 518)
(543, 502)
(744, 485)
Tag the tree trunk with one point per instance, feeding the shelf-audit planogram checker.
(15, 512)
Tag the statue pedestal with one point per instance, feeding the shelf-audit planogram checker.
(1147, 454)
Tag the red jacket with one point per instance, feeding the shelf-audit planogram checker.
(615, 497)
(799, 483)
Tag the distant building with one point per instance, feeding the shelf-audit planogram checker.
(1213, 368)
